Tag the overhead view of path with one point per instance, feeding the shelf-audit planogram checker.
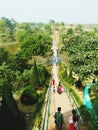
(58, 100)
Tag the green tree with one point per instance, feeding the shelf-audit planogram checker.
(10, 116)
(79, 28)
(70, 31)
(7, 30)
(29, 96)
(43, 74)
(82, 50)
(34, 44)
(48, 29)
(18, 62)
(51, 22)
(6, 75)
(35, 76)
(3, 55)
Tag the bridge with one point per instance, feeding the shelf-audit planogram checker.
(55, 100)
(59, 100)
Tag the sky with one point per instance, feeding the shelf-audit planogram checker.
(67, 11)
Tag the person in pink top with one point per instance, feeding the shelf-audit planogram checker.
(59, 89)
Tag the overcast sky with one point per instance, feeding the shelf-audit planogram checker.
(68, 11)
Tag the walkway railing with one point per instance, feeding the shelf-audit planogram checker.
(46, 112)
(73, 103)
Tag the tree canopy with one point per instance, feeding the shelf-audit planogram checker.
(82, 48)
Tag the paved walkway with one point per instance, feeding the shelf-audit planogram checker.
(58, 100)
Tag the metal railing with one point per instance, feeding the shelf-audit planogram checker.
(73, 103)
(46, 111)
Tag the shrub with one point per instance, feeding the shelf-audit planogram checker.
(29, 96)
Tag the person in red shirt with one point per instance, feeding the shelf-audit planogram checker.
(53, 81)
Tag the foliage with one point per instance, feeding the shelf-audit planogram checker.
(33, 38)
(10, 116)
(3, 55)
(6, 76)
(17, 62)
(38, 114)
(37, 121)
(22, 80)
(70, 31)
(43, 74)
(34, 80)
(20, 34)
(36, 43)
(7, 30)
(82, 48)
(48, 29)
(8, 100)
(16, 73)
(29, 96)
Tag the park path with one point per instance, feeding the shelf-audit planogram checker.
(59, 100)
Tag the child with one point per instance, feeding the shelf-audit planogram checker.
(53, 82)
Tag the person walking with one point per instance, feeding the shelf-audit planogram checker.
(53, 89)
(73, 121)
(59, 119)
(60, 88)
(53, 81)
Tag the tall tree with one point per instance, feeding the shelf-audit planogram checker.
(35, 76)
(10, 116)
